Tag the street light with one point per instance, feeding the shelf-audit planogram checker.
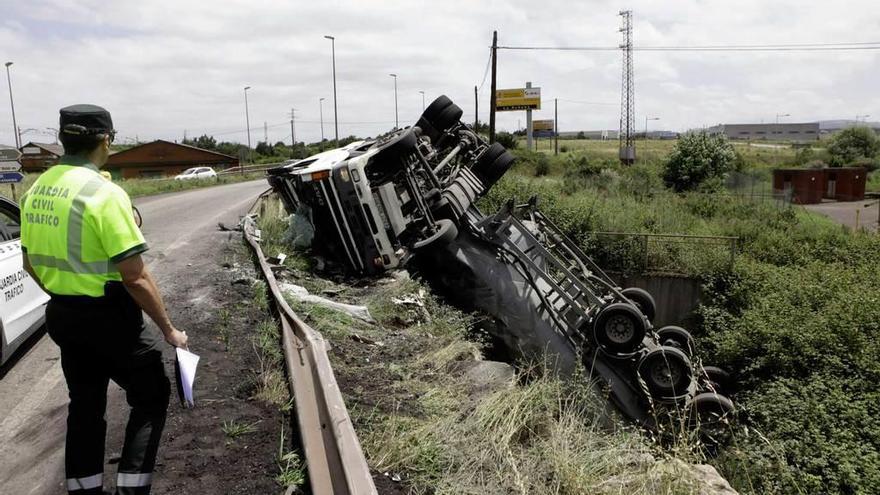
(335, 114)
(423, 100)
(12, 104)
(247, 120)
(321, 111)
(646, 125)
(781, 115)
(396, 123)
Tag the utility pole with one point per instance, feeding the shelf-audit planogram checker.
(476, 109)
(627, 94)
(265, 132)
(321, 110)
(529, 128)
(423, 100)
(15, 130)
(555, 126)
(292, 128)
(396, 121)
(493, 99)
(335, 114)
(247, 120)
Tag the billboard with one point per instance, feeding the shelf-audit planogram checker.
(517, 99)
(542, 125)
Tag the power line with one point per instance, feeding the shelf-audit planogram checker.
(486, 72)
(781, 47)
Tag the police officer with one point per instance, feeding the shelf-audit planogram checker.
(82, 246)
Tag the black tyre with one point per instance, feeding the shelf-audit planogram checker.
(712, 415)
(643, 300)
(667, 373)
(440, 115)
(492, 164)
(677, 337)
(719, 378)
(394, 154)
(445, 232)
(619, 328)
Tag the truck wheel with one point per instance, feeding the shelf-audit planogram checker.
(677, 337)
(619, 328)
(643, 300)
(492, 164)
(667, 373)
(712, 414)
(440, 115)
(719, 378)
(391, 158)
(445, 233)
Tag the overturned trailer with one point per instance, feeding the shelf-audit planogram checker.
(376, 204)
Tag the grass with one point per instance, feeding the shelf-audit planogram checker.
(291, 469)
(234, 429)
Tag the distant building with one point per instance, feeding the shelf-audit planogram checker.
(164, 159)
(798, 132)
(37, 157)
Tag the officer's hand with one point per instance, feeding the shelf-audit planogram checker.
(176, 338)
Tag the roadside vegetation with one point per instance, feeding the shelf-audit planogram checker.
(427, 426)
(796, 318)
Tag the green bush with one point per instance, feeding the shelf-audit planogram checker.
(507, 140)
(697, 158)
(563, 149)
(850, 144)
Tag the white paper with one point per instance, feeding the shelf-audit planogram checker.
(187, 362)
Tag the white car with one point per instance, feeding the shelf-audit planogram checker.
(23, 308)
(197, 173)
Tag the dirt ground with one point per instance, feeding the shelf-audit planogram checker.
(196, 455)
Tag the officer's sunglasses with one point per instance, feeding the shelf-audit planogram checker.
(111, 135)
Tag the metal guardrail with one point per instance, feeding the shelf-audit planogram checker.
(335, 461)
(666, 253)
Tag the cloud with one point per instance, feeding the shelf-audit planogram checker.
(168, 67)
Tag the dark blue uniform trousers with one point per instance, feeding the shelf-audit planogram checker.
(104, 339)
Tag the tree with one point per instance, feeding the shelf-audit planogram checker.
(698, 158)
(507, 140)
(204, 141)
(852, 144)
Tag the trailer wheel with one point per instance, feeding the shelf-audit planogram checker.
(440, 115)
(677, 337)
(719, 378)
(446, 232)
(492, 164)
(619, 328)
(712, 414)
(667, 373)
(643, 300)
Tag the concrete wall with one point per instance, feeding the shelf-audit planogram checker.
(676, 297)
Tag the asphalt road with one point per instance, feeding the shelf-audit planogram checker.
(854, 214)
(181, 230)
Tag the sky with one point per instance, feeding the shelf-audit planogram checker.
(167, 68)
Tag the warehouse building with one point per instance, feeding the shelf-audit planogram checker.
(164, 159)
(802, 132)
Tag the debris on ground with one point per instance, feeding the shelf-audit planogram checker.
(302, 294)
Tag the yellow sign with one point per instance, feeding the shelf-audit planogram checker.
(542, 125)
(518, 99)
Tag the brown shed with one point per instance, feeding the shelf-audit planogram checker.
(802, 185)
(845, 183)
(164, 159)
(37, 157)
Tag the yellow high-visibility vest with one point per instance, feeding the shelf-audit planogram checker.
(75, 227)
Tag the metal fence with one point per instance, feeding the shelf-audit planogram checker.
(679, 254)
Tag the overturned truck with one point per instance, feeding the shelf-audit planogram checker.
(409, 197)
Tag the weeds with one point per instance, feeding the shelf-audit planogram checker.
(233, 429)
(290, 466)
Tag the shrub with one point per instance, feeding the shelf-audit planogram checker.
(542, 165)
(507, 140)
(696, 158)
(563, 149)
(850, 144)
(581, 135)
(871, 164)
